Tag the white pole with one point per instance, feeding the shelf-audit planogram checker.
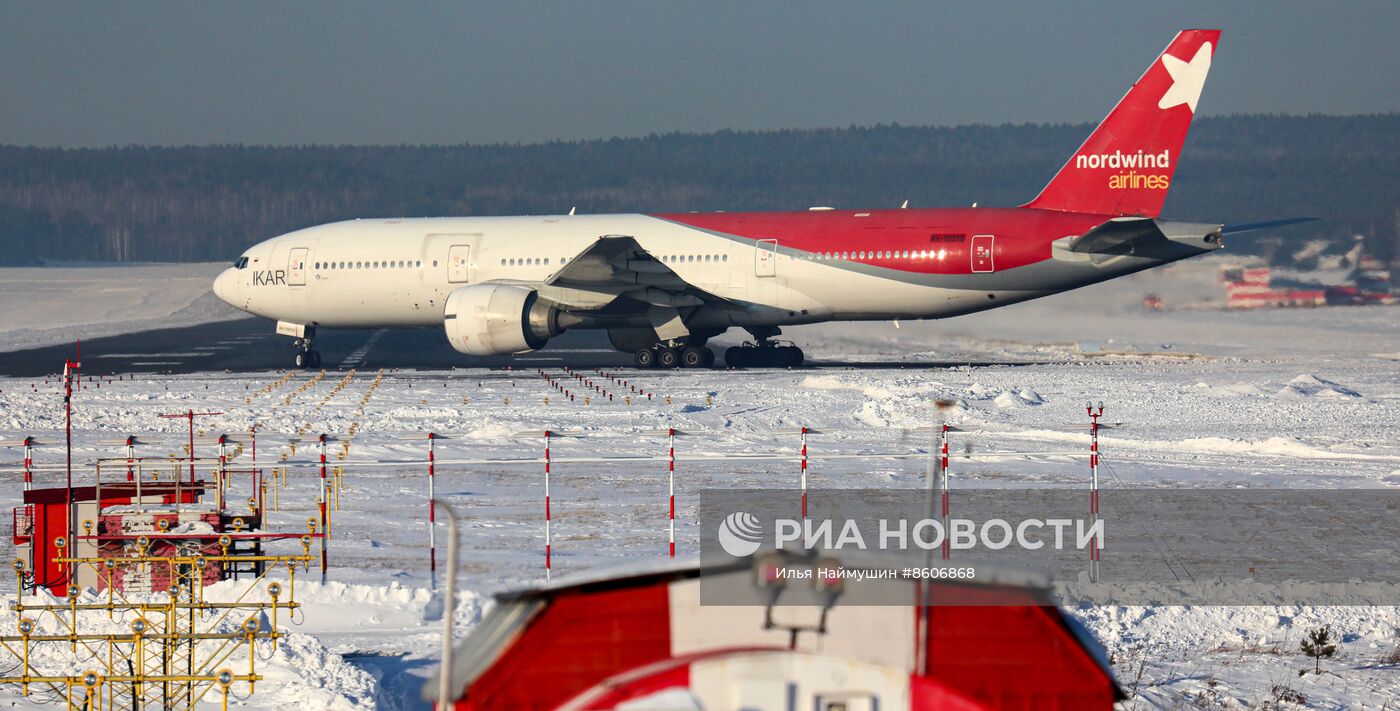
(449, 607)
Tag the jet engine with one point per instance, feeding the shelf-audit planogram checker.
(498, 319)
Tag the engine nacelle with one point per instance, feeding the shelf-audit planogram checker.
(498, 319)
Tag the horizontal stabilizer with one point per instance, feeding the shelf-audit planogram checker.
(1268, 224)
(1116, 236)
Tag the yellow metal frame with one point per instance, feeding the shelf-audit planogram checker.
(139, 670)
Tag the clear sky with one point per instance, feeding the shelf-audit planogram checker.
(99, 73)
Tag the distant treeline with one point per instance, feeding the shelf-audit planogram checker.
(143, 203)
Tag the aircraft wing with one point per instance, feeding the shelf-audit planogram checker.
(614, 267)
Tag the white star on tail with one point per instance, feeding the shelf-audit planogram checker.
(1187, 79)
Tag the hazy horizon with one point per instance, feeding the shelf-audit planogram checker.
(650, 134)
(360, 73)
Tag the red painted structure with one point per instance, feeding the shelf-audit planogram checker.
(1256, 288)
(44, 518)
(599, 643)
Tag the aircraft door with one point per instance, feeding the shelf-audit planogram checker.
(765, 258)
(296, 267)
(459, 259)
(982, 259)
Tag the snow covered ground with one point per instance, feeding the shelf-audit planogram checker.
(45, 306)
(1265, 399)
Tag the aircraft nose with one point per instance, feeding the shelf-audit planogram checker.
(226, 286)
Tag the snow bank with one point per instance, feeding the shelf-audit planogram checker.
(51, 305)
(1024, 397)
(1307, 385)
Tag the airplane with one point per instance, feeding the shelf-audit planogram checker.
(662, 285)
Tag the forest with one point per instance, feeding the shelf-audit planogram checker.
(203, 203)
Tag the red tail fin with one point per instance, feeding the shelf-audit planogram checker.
(1126, 166)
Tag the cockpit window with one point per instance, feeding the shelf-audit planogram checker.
(240, 263)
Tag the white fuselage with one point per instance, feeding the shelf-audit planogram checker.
(398, 272)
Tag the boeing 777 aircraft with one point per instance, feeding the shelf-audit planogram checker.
(663, 284)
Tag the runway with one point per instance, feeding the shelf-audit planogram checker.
(250, 344)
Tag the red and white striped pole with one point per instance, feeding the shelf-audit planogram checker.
(130, 455)
(547, 542)
(28, 463)
(221, 476)
(671, 485)
(804, 473)
(1095, 545)
(257, 473)
(432, 512)
(944, 484)
(325, 519)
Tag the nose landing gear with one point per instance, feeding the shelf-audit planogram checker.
(306, 357)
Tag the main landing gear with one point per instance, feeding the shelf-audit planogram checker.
(764, 351)
(764, 354)
(306, 357)
(671, 355)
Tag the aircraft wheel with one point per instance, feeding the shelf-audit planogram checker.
(668, 358)
(709, 358)
(694, 357)
(736, 357)
(315, 359)
(788, 356)
(645, 358)
(302, 359)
